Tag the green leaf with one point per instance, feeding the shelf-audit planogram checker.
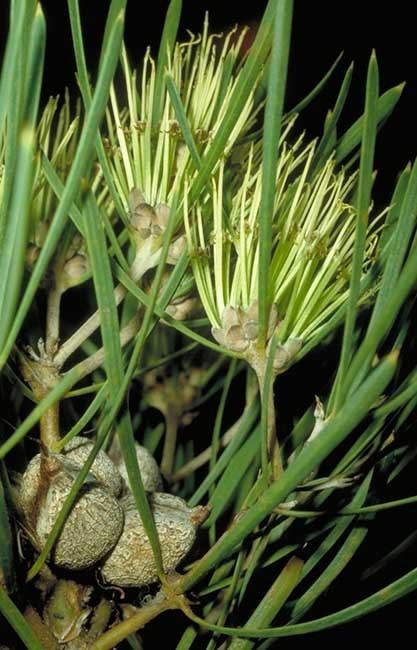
(315, 92)
(21, 15)
(271, 135)
(389, 594)
(79, 169)
(326, 143)
(384, 320)
(182, 120)
(109, 325)
(398, 243)
(276, 596)
(13, 249)
(352, 138)
(394, 209)
(330, 572)
(104, 290)
(402, 396)
(16, 235)
(36, 57)
(13, 96)
(166, 47)
(116, 8)
(187, 639)
(334, 432)
(232, 477)
(363, 206)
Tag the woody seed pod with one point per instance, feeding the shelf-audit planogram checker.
(103, 469)
(131, 563)
(149, 470)
(91, 529)
(76, 452)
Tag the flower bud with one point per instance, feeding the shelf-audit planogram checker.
(285, 353)
(75, 270)
(240, 327)
(32, 254)
(142, 220)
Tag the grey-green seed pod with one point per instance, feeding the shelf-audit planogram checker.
(91, 529)
(131, 563)
(149, 470)
(76, 452)
(103, 469)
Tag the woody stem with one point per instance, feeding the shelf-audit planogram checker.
(41, 378)
(52, 320)
(137, 621)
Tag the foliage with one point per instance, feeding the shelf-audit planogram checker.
(206, 247)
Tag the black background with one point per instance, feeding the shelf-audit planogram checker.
(321, 30)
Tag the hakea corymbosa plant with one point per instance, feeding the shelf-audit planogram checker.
(313, 237)
(181, 188)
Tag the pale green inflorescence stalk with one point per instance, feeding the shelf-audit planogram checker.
(312, 247)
